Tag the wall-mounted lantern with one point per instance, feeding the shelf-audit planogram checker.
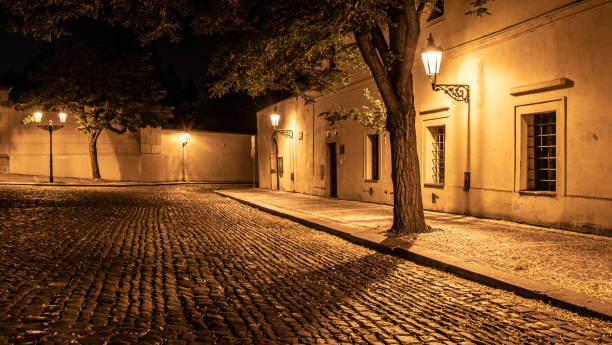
(432, 58)
(185, 138)
(184, 141)
(50, 128)
(274, 118)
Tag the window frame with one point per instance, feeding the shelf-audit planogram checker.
(521, 157)
(367, 151)
(430, 19)
(427, 140)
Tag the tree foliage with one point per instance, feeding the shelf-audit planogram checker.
(306, 48)
(101, 88)
(372, 116)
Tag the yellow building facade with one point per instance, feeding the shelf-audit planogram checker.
(531, 145)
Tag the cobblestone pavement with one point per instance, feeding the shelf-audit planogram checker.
(179, 265)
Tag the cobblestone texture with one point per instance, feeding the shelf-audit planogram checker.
(179, 265)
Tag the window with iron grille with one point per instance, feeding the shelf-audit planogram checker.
(372, 158)
(437, 10)
(541, 152)
(437, 154)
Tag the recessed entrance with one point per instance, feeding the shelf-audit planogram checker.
(333, 171)
(274, 165)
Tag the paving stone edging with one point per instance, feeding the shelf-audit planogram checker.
(577, 302)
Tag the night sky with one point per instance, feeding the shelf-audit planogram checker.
(187, 60)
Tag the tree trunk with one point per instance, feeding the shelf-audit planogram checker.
(396, 90)
(93, 154)
(408, 214)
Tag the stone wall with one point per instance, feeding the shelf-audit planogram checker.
(151, 154)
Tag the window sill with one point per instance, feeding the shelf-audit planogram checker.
(435, 21)
(538, 193)
(434, 185)
(371, 180)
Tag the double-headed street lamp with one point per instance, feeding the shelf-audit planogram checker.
(50, 128)
(432, 56)
(184, 142)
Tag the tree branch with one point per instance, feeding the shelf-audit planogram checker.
(381, 45)
(368, 51)
(404, 41)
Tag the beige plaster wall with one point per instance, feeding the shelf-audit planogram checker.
(521, 43)
(209, 156)
(151, 154)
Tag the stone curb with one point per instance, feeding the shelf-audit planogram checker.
(471, 270)
(122, 184)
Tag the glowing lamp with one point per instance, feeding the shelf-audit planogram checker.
(38, 116)
(432, 56)
(62, 117)
(185, 138)
(274, 118)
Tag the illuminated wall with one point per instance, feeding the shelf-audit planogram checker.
(151, 154)
(526, 58)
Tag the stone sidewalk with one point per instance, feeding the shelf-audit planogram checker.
(565, 268)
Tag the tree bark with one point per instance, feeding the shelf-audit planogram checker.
(408, 214)
(394, 83)
(93, 154)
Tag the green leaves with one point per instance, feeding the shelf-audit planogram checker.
(372, 116)
(101, 88)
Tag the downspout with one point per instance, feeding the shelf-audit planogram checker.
(467, 177)
(293, 158)
(313, 140)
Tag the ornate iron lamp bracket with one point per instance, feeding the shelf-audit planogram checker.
(50, 128)
(458, 92)
(287, 133)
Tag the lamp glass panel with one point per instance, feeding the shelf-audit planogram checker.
(274, 118)
(185, 137)
(38, 116)
(62, 117)
(431, 61)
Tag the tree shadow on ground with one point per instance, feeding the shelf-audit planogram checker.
(305, 302)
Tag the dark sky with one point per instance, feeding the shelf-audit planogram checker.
(189, 58)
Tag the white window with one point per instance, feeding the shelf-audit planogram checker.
(435, 158)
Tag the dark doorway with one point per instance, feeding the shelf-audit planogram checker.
(274, 165)
(333, 171)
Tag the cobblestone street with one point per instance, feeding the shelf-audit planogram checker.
(181, 265)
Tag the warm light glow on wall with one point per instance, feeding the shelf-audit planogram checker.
(38, 116)
(62, 117)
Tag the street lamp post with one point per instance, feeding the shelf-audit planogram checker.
(184, 141)
(50, 128)
(432, 56)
